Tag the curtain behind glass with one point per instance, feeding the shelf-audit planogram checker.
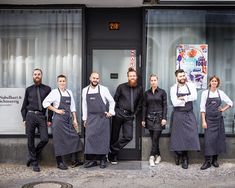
(166, 29)
(46, 39)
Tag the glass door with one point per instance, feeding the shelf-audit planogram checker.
(112, 65)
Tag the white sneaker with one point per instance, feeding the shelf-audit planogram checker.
(151, 161)
(158, 159)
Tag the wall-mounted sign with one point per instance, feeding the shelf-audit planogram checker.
(113, 75)
(193, 59)
(114, 25)
(11, 100)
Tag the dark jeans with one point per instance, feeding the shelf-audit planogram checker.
(33, 121)
(116, 143)
(155, 136)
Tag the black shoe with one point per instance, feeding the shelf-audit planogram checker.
(206, 165)
(62, 166)
(28, 163)
(76, 163)
(103, 164)
(112, 159)
(36, 168)
(215, 163)
(185, 164)
(177, 159)
(90, 164)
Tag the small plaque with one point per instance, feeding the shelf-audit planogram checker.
(114, 25)
(113, 75)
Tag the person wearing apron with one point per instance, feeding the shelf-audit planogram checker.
(98, 107)
(212, 122)
(154, 115)
(184, 130)
(65, 137)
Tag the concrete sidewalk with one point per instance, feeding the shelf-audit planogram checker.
(133, 174)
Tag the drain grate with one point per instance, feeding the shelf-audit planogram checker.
(48, 184)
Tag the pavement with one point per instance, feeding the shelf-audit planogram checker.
(133, 174)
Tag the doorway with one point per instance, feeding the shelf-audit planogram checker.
(111, 53)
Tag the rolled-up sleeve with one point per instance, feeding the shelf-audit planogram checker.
(203, 101)
(110, 99)
(49, 99)
(84, 104)
(174, 99)
(226, 99)
(72, 106)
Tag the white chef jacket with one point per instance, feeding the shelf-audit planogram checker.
(183, 89)
(223, 97)
(105, 95)
(54, 98)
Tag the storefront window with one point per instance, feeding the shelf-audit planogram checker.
(47, 39)
(167, 29)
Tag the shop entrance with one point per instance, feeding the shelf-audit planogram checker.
(112, 52)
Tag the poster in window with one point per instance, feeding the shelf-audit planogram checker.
(193, 59)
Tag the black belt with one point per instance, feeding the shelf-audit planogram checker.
(35, 112)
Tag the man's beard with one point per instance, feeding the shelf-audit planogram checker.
(94, 84)
(132, 83)
(37, 81)
(182, 81)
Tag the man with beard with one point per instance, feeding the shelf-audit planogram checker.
(184, 130)
(97, 107)
(34, 115)
(128, 98)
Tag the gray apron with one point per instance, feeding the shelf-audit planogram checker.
(184, 130)
(215, 133)
(97, 136)
(65, 138)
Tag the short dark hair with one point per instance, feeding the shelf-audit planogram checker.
(153, 75)
(61, 76)
(216, 77)
(131, 69)
(178, 71)
(37, 69)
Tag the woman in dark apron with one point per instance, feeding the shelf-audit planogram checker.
(154, 116)
(213, 123)
(65, 137)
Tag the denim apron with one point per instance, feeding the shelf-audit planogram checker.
(97, 135)
(215, 133)
(65, 138)
(184, 130)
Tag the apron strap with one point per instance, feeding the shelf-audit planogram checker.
(89, 88)
(208, 94)
(177, 90)
(65, 90)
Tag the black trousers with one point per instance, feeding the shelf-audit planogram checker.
(116, 142)
(155, 136)
(94, 157)
(34, 121)
(183, 154)
(73, 157)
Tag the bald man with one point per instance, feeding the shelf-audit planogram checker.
(97, 109)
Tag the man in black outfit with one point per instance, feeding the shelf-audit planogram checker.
(128, 98)
(34, 115)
